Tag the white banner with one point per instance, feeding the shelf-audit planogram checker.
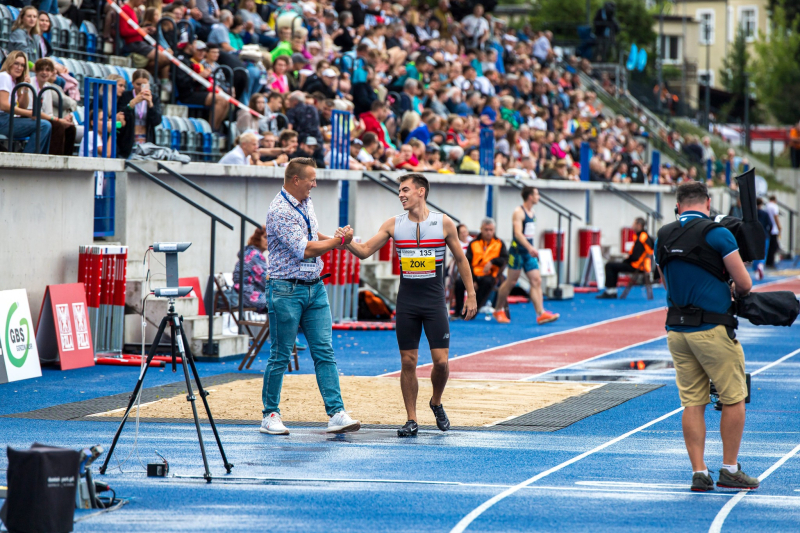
(17, 341)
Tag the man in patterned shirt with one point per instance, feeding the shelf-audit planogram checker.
(297, 297)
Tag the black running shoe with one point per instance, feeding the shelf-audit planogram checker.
(442, 422)
(409, 430)
(605, 295)
(702, 482)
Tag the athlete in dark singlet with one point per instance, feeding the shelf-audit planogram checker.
(523, 256)
(420, 237)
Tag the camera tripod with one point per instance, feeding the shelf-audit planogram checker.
(179, 347)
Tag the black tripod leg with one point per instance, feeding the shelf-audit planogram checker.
(150, 355)
(176, 328)
(203, 395)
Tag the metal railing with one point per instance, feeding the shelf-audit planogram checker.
(214, 220)
(383, 178)
(37, 110)
(561, 211)
(792, 213)
(210, 287)
(635, 202)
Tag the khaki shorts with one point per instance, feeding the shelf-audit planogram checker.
(703, 355)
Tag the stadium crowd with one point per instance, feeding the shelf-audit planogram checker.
(420, 81)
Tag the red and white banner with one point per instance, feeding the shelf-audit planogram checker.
(63, 333)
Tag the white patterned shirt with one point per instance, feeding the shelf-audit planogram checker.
(288, 236)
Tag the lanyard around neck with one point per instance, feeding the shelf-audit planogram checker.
(305, 218)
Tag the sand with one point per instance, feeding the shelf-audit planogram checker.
(374, 400)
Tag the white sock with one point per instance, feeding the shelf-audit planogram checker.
(731, 468)
(704, 472)
(611, 290)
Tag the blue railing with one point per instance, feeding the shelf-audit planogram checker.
(101, 95)
(340, 158)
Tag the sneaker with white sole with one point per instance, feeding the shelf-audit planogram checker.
(342, 423)
(273, 425)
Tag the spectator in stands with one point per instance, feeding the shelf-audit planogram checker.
(278, 81)
(306, 148)
(25, 35)
(204, 15)
(254, 292)
(254, 25)
(303, 117)
(488, 257)
(639, 260)
(245, 153)
(44, 31)
(323, 81)
(135, 43)
(230, 43)
(246, 121)
(475, 28)
(142, 109)
(14, 71)
(288, 141)
(373, 120)
(62, 138)
(193, 92)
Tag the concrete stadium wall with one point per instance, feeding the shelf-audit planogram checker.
(46, 212)
(47, 208)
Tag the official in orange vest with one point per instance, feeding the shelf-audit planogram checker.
(794, 145)
(638, 261)
(487, 256)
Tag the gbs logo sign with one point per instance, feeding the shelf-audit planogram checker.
(17, 336)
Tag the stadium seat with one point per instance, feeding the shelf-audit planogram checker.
(91, 37)
(6, 20)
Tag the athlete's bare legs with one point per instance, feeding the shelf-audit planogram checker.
(408, 378)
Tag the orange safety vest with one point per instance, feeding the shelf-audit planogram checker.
(483, 253)
(643, 263)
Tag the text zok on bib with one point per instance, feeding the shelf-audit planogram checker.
(418, 263)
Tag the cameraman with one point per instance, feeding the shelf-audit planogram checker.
(696, 257)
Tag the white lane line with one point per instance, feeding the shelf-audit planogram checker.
(716, 525)
(531, 378)
(628, 484)
(475, 513)
(779, 361)
(540, 337)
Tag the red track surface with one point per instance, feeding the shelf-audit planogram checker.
(528, 358)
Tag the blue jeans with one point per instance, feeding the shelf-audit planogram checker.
(26, 127)
(49, 6)
(291, 306)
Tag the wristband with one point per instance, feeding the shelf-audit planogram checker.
(342, 240)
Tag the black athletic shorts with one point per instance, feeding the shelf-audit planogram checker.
(414, 314)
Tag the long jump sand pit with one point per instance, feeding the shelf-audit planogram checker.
(374, 400)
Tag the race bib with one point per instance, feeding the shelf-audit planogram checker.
(529, 230)
(418, 263)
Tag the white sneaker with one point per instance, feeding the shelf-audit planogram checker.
(342, 423)
(273, 425)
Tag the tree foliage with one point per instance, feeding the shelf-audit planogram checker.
(791, 8)
(775, 73)
(733, 75)
(562, 17)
